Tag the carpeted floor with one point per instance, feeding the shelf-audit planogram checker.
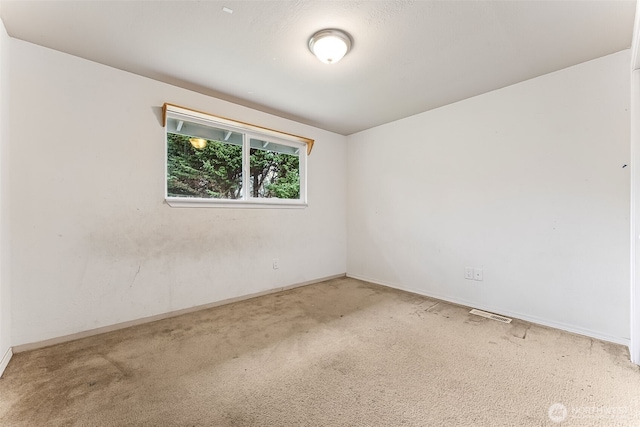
(338, 353)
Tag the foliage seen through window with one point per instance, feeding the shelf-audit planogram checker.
(216, 170)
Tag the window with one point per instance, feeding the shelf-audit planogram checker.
(213, 161)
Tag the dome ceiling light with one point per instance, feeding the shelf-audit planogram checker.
(330, 45)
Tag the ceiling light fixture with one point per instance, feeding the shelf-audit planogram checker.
(330, 45)
(198, 143)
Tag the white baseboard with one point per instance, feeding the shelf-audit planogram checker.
(5, 360)
(497, 310)
(84, 334)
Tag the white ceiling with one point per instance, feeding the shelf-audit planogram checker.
(408, 56)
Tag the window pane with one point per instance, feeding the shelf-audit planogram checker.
(275, 170)
(202, 167)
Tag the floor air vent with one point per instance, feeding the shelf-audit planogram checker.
(490, 316)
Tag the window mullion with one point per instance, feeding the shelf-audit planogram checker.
(246, 162)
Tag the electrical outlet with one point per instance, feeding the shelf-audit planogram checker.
(477, 274)
(468, 273)
(275, 264)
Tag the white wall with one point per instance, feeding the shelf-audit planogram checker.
(5, 278)
(526, 181)
(635, 216)
(634, 348)
(93, 242)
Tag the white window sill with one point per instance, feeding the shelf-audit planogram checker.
(185, 202)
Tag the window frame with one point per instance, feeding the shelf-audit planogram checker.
(248, 131)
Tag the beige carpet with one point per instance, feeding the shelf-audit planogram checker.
(338, 353)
